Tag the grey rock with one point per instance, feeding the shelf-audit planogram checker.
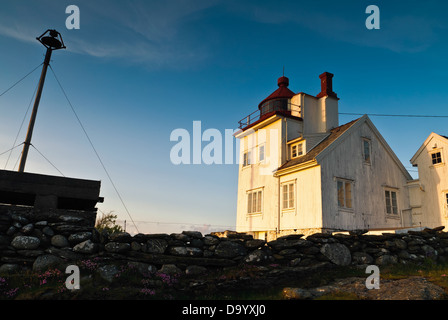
(195, 270)
(70, 219)
(27, 229)
(257, 256)
(41, 223)
(156, 245)
(230, 249)
(117, 247)
(338, 253)
(46, 261)
(142, 268)
(185, 251)
(9, 268)
(79, 237)
(210, 240)
(362, 258)
(170, 269)
(59, 241)
(254, 243)
(20, 219)
(193, 234)
(25, 242)
(386, 260)
(120, 237)
(48, 231)
(135, 246)
(87, 247)
(180, 236)
(11, 231)
(108, 272)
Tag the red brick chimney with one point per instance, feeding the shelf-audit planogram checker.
(326, 84)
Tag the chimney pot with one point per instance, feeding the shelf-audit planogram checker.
(326, 84)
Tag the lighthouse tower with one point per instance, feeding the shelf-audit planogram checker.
(285, 126)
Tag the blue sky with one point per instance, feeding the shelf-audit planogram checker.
(137, 70)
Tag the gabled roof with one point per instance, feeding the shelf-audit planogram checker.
(332, 140)
(424, 144)
(313, 153)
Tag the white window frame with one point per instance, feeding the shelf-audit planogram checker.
(346, 205)
(247, 158)
(297, 150)
(369, 142)
(262, 147)
(290, 194)
(254, 201)
(445, 202)
(391, 209)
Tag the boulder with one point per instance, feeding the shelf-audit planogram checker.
(195, 270)
(117, 247)
(386, 260)
(170, 269)
(25, 243)
(59, 241)
(87, 247)
(193, 234)
(362, 258)
(338, 253)
(47, 261)
(230, 249)
(120, 237)
(156, 245)
(79, 237)
(108, 272)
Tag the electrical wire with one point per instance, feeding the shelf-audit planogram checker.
(21, 125)
(20, 80)
(47, 159)
(93, 147)
(395, 115)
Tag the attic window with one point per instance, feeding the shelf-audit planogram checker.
(436, 157)
(366, 150)
(296, 150)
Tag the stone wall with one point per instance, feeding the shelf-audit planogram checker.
(39, 240)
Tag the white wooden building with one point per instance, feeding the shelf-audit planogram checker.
(429, 193)
(302, 172)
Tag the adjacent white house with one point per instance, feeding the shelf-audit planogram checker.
(429, 194)
(302, 172)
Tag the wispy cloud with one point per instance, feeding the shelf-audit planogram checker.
(149, 32)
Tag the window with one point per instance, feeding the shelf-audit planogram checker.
(296, 150)
(436, 157)
(247, 158)
(391, 202)
(288, 195)
(446, 202)
(366, 150)
(254, 199)
(261, 153)
(344, 193)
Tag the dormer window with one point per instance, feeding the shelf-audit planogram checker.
(296, 150)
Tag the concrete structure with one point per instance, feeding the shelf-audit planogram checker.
(48, 192)
(429, 193)
(302, 172)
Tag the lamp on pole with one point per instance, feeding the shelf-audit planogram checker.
(52, 40)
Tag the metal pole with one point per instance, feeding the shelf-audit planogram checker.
(29, 134)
